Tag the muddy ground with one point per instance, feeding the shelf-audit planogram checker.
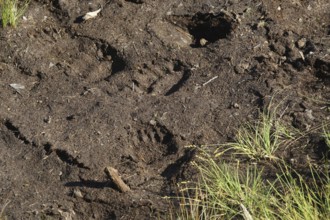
(135, 85)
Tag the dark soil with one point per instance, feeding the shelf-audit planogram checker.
(135, 85)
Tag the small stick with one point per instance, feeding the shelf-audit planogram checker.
(112, 173)
(204, 84)
(136, 51)
(302, 55)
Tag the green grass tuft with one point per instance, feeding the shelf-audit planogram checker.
(227, 190)
(298, 199)
(11, 11)
(234, 191)
(262, 139)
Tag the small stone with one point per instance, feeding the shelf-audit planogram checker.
(235, 105)
(301, 43)
(77, 193)
(100, 53)
(283, 58)
(238, 69)
(152, 122)
(245, 66)
(261, 24)
(293, 161)
(309, 114)
(203, 42)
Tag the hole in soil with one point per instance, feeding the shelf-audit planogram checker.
(322, 69)
(186, 75)
(89, 184)
(136, 1)
(178, 66)
(9, 125)
(322, 150)
(209, 27)
(48, 148)
(118, 63)
(298, 64)
(173, 169)
(70, 117)
(168, 140)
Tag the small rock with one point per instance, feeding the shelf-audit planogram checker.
(245, 66)
(279, 48)
(261, 24)
(309, 114)
(301, 43)
(91, 14)
(235, 105)
(238, 69)
(203, 42)
(77, 193)
(100, 54)
(152, 122)
(63, 4)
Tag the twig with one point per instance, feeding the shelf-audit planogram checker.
(204, 84)
(112, 173)
(136, 51)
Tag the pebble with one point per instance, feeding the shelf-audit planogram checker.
(153, 122)
(301, 43)
(309, 114)
(203, 42)
(77, 193)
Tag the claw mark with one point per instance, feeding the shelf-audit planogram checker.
(9, 125)
(69, 159)
(186, 75)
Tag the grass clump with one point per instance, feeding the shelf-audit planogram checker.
(302, 199)
(11, 11)
(236, 191)
(261, 139)
(225, 192)
(263, 187)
